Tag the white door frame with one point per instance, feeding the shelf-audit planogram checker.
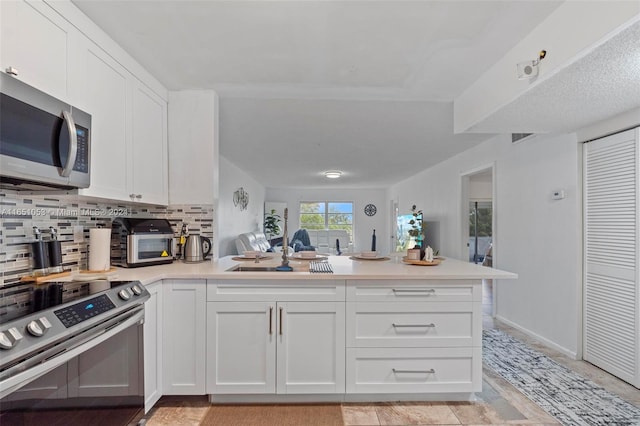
(464, 220)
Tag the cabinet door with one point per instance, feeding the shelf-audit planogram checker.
(110, 369)
(103, 86)
(35, 40)
(183, 337)
(241, 346)
(153, 346)
(311, 347)
(150, 170)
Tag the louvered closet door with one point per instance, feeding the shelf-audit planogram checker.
(612, 296)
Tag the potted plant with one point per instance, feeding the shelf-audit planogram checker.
(417, 229)
(271, 224)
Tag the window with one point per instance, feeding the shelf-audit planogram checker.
(327, 215)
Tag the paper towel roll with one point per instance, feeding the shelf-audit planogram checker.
(99, 249)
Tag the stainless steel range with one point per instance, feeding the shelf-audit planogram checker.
(72, 351)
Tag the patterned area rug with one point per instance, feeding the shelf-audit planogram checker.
(567, 396)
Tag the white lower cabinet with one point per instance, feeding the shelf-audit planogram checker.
(153, 345)
(412, 370)
(280, 345)
(412, 324)
(241, 348)
(310, 347)
(183, 337)
(414, 337)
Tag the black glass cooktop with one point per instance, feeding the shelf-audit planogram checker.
(48, 295)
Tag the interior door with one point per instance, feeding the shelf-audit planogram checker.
(611, 273)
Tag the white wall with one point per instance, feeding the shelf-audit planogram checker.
(231, 220)
(536, 237)
(363, 225)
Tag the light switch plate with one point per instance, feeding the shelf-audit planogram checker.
(78, 234)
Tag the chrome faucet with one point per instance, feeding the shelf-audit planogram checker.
(284, 266)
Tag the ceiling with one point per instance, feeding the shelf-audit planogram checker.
(611, 72)
(366, 87)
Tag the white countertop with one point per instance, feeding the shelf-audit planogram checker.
(344, 268)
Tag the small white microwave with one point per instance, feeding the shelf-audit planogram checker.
(141, 242)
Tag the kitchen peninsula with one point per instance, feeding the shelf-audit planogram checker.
(372, 330)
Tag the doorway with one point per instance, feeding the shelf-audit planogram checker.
(478, 226)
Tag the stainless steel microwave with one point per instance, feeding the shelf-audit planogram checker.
(44, 142)
(141, 242)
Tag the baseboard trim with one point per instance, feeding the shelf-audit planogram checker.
(336, 398)
(571, 354)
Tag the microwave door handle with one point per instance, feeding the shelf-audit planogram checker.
(73, 144)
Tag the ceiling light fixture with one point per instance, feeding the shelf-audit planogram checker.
(332, 174)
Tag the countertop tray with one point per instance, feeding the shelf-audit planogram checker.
(434, 262)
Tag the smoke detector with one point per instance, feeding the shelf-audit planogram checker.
(530, 69)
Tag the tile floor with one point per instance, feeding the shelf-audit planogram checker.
(499, 403)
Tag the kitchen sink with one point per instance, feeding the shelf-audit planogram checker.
(253, 269)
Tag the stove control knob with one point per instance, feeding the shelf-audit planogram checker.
(10, 338)
(136, 290)
(124, 294)
(38, 327)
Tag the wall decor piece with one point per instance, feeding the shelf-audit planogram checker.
(370, 210)
(241, 198)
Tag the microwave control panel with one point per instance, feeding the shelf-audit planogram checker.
(82, 158)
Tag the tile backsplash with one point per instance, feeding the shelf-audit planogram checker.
(20, 212)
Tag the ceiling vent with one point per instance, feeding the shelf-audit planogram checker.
(517, 137)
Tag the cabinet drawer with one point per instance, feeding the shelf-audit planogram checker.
(275, 290)
(408, 370)
(376, 324)
(412, 291)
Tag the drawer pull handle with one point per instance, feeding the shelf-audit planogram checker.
(414, 325)
(270, 320)
(432, 371)
(412, 290)
(281, 325)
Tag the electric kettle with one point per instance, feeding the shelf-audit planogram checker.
(196, 248)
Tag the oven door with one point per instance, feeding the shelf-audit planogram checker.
(103, 377)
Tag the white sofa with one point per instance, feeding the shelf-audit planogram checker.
(252, 241)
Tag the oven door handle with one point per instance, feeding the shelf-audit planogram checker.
(15, 382)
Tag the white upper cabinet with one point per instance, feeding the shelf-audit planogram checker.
(129, 129)
(149, 169)
(193, 143)
(101, 87)
(35, 41)
(56, 49)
